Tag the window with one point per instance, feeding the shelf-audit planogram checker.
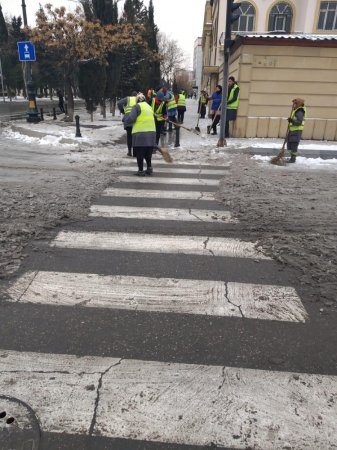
(280, 18)
(328, 16)
(246, 20)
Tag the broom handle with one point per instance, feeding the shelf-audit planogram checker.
(215, 114)
(179, 125)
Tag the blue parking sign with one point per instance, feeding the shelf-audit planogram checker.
(26, 51)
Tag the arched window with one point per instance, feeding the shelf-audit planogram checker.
(247, 17)
(280, 18)
(328, 16)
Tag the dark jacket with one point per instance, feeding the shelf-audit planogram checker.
(147, 139)
(295, 136)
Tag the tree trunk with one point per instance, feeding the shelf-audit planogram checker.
(113, 107)
(91, 116)
(104, 108)
(70, 96)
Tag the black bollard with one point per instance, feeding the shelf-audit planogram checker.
(66, 108)
(78, 131)
(41, 113)
(54, 114)
(177, 142)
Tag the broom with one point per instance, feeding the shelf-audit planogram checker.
(197, 128)
(165, 154)
(185, 128)
(279, 159)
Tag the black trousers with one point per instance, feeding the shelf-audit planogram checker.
(216, 119)
(202, 111)
(181, 116)
(129, 138)
(159, 127)
(61, 106)
(142, 153)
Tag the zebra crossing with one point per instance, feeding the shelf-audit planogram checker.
(140, 392)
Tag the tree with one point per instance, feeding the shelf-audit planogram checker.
(3, 29)
(183, 81)
(71, 39)
(91, 83)
(138, 66)
(172, 57)
(153, 69)
(106, 11)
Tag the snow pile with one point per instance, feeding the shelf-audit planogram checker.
(302, 161)
(48, 139)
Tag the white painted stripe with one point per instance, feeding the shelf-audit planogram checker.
(184, 215)
(214, 298)
(147, 193)
(169, 181)
(174, 403)
(175, 170)
(158, 243)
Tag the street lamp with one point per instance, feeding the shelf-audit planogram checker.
(33, 113)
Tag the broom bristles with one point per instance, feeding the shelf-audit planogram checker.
(278, 160)
(165, 154)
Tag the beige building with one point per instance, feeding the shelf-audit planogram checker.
(282, 50)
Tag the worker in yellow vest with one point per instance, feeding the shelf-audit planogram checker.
(296, 125)
(171, 108)
(125, 105)
(203, 100)
(233, 98)
(158, 105)
(181, 106)
(141, 118)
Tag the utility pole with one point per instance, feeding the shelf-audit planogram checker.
(24, 13)
(33, 113)
(232, 15)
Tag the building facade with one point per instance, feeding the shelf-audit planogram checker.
(197, 65)
(282, 50)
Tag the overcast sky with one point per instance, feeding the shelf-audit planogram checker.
(180, 19)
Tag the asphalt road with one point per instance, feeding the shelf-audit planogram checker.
(272, 359)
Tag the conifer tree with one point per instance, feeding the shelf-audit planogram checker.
(138, 60)
(3, 29)
(153, 69)
(91, 83)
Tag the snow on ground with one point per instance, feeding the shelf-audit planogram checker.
(48, 139)
(99, 141)
(302, 161)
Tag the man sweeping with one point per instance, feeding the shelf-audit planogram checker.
(296, 125)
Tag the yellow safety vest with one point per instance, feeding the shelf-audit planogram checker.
(203, 100)
(235, 104)
(145, 121)
(292, 115)
(131, 101)
(182, 100)
(158, 113)
(172, 104)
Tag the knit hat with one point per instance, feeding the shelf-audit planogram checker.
(299, 101)
(140, 97)
(160, 95)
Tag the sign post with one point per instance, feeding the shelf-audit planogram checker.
(27, 55)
